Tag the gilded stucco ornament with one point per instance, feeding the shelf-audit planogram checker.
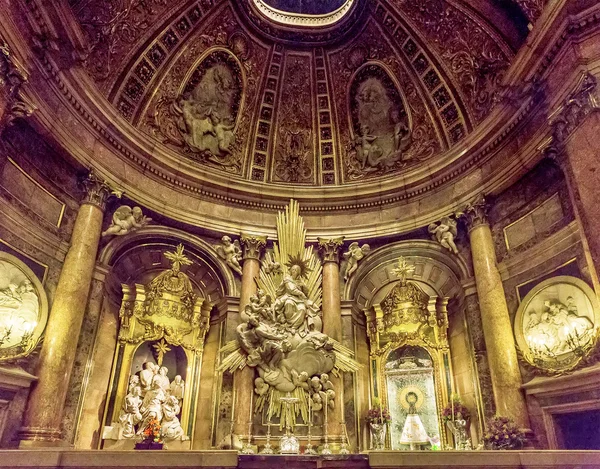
(231, 252)
(281, 334)
(556, 326)
(23, 309)
(354, 255)
(126, 220)
(444, 232)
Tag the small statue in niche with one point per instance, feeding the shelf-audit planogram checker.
(126, 220)
(177, 389)
(354, 254)
(231, 253)
(130, 414)
(170, 424)
(444, 233)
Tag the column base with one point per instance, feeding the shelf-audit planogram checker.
(32, 437)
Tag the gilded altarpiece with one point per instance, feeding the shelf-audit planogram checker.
(410, 357)
(156, 370)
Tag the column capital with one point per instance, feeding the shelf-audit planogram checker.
(253, 245)
(330, 249)
(475, 213)
(97, 191)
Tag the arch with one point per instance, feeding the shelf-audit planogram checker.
(119, 246)
(442, 272)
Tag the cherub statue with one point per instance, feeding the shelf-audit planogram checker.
(126, 220)
(260, 387)
(354, 254)
(444, 233)
(259, 305)
(230, 252)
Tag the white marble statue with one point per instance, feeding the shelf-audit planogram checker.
(354, 255)
(231, 252)
(162, 378)
(170, 426)
(134, 381)
(152, 405)
(147, 375)
(126, 220)
(177, 388)
(19, 311)
(444, 233)
(130, 413)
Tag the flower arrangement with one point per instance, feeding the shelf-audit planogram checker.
(152, 432)
(378, 414)
(503, 433)
(454, 407)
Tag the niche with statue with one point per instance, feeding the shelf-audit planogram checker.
(410, 359)
(161, 338)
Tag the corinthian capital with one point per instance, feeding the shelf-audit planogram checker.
(97, 191)
(330, 249)
(475, 213)
(253, 245)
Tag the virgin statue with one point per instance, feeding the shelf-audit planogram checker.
(292, 306)
(413, 432)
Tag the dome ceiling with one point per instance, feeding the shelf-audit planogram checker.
(408, 83)
(306, 7)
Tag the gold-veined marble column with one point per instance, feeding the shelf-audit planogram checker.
(497, 328)
(44, 412)
(332, 319)
(243, 380)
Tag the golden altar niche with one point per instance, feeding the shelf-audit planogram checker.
(168, 321)
(409, 347)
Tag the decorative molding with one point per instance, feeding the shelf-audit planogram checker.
(330, 249)
(12, 77)
(253, 245)
(581, 102)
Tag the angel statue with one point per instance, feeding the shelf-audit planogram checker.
(444, 233)
(354, 255)
(230, 252)
(126, 220)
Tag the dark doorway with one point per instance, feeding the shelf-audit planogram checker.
(579, 430)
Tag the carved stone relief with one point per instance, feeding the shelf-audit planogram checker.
(294, 155)
(113, 26)
(209, 105)
(408, 121)
(379, 120)
(472, 54)
(204, 114)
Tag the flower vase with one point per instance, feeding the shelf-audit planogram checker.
(378, 435)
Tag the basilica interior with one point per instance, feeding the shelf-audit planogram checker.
(286, 233)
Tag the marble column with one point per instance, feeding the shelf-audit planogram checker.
(44, 413)
(243, 380)
(495, 319)
(332, 319)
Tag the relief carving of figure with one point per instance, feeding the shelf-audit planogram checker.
(383, 136)
(555, 328)
(19, 312)
(231, 253)
(207, 113)
(354, 254)
(444, 233)
(126, 220)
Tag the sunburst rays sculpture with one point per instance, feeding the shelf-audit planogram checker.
(282, 339)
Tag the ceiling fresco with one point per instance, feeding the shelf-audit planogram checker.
(408, 83)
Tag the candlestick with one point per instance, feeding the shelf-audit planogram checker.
(326, 449)
(309, 447)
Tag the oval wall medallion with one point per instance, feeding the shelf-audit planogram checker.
(556, 325)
